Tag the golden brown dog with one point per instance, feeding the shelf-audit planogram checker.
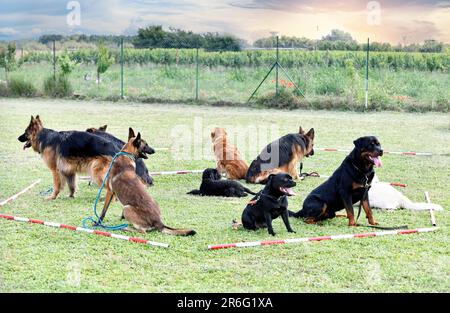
(139, 208)
(229, 160)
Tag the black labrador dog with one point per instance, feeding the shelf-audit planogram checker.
(349, 184)
(270, 203)
(213, 185)
(141, 169)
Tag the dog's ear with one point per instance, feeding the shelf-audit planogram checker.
(310, 134)
(301, 131)
(38, 120)
(103, 128)
(271, 176)
(32, 119)
(137, 140)
(131, 133)
(359, 143)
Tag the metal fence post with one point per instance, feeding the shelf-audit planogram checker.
(54, 60)
(276, 70)
(121, 67)
(196, 76)
(367, 75)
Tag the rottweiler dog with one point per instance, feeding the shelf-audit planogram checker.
(349, 184)
(213, 185)
(139, 208)
(270, 203)
(282, 156)
(141, 169)
(67, 153)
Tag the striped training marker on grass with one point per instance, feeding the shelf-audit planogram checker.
(14, 197)
(320, 238)
(387, 152)
(86, 230)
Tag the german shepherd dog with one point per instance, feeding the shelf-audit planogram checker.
(139, 208)
(282, 155)
(213, 185)
(141, 169)
(67, 153)
(229, 160)
(349, 184)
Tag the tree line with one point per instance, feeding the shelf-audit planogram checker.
(157, 37)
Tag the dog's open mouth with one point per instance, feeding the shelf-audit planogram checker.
(143, 155)
(287, 191)
(376, 160)
(27, 144)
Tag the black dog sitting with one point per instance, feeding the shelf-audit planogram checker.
(349, 184)
(213, 185)
(270, 203)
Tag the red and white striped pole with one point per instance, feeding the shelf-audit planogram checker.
(387, 152)
(320, 238)
(86, 230)
(176, 172)
(392, 184)
(432, 217)
(14, 197)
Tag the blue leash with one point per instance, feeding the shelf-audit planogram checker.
(98, 222)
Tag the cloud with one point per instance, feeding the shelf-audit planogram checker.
(8, 31)
(247, 19)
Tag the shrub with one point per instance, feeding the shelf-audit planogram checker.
(58, 88)
(18, 87)
(283, 100)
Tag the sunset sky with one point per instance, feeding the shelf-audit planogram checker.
(394, 21)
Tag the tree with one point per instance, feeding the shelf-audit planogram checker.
(8, 58)
(338, 35)
(66, 65)
(103, 61)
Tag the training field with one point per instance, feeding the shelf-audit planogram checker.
(36, 258)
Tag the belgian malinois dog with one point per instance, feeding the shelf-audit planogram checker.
(139, 208)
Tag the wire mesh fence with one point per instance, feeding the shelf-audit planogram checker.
(184, 71)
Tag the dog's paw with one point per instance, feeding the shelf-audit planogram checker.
(51, 197)
(352, 223)
(292, 231)
(373, 222)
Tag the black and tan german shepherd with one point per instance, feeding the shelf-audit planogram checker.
(67, 153)
(141, 169)
(282, 156)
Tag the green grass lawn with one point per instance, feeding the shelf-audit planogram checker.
(36, 258)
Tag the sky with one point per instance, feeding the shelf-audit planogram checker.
(394, 21)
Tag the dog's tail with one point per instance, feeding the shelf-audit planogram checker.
(295, 214)
(178, 232)
(194, 192)
(249, 191)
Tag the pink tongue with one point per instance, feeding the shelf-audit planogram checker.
(288, 191)
(377, 162)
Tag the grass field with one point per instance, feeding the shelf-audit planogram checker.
(36, 258)
(395, 90)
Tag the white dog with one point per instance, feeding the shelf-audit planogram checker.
(384, 196)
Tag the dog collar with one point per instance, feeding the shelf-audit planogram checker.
(124, 153)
